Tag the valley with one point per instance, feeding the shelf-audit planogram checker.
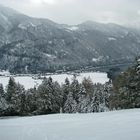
(31, 81)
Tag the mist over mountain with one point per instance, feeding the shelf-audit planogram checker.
(39, 45)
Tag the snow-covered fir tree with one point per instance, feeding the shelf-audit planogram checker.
(65, 92)
(75, 88)
(13, 97)
(70, 105)
(32, 105)
(49, 96)
(3, 103)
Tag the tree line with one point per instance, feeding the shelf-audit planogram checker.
(127, 88)
(72, 97)
(51, 97)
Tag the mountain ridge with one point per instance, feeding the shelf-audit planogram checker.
(33, 45)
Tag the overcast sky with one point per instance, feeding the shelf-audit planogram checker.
(77, 11)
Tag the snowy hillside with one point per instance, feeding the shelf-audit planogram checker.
(117, 125)
(32, 45)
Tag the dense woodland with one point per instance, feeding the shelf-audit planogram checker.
(127, 88)
(50, 97)
(32, 45)
(86, 97)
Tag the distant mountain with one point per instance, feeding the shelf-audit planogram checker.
(134, 25)
(39, 45)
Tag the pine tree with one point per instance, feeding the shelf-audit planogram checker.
(32, 99)
(57, 98)
(70, 105)
(84, 104)
(11, 90)
(20, 105)
(127, 88)
(82, 100)
(13, 97)
(3, 104)
(49, 96)
(88, 85)
(2, 91)
(75, 88)
(65, 91)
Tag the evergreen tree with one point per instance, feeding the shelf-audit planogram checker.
(84, 104)
(127, 88)
(13, 97)
(75, 88)
(3, 104)
(88, 85)
(20, 105)
(70, 105)
(83, 100)
(66, 91)
(2, 94)
(32, 99)
(57, 97)
(11, 90)
(49, 96)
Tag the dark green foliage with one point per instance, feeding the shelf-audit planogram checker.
(1, 91)
(3, 105)
(88, 85)
(75, 88)
(113, 73)
(14, 97)
(31, 101)
(127, 89)
(65, 89)
(50, 98)
(11, 90)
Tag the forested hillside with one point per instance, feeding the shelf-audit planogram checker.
(32, 45)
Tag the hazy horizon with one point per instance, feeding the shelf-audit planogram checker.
(73, 12)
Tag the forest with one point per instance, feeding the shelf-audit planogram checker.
(72, 97)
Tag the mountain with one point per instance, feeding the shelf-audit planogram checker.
(35, 45)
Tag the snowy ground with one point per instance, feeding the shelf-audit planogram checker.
(29, 82)
(117, 125)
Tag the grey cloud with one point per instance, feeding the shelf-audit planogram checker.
(76, 11)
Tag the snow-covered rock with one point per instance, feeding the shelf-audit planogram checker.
(73, 28)
(4, 73)
(112, 39)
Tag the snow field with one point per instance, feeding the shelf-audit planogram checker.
(30, 82)
(116, 125)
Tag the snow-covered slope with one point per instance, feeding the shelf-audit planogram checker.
(32, 45)
(117, 125)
